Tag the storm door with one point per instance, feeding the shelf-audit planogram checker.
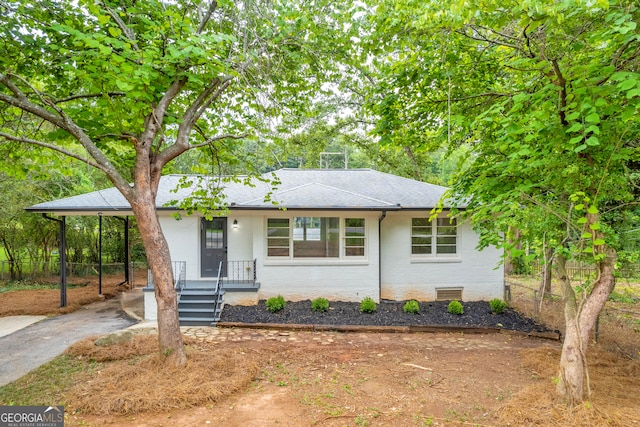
(213, 246)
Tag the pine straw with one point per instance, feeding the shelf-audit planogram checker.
(140, 345)
(614, 400)
(139, 381)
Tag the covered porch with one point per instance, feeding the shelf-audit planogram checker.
(200, 301)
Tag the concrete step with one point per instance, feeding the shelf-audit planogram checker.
(185, 312)
(197, 321)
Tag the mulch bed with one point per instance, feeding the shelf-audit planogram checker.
(434, 314)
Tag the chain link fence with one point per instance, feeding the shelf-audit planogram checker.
(617, 329)
(49, 272)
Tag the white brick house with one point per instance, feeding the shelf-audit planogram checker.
(337, 234)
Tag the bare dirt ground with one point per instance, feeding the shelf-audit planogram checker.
(81, 291)
(375, 379)
(334, 379)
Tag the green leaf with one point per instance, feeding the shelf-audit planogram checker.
(576, 139)
(593, 209)
(592, 141)
(621, 75)
(598, 242)
(115, 32)
(627, 84)
(575, 127)
(586, 235)
(632, 93)
(572, 116)
(600, 102)
(593, 129)
(124, 86)
(580, 148)
(628, 26)
(593, 118)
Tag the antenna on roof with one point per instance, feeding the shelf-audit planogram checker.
(325, 155)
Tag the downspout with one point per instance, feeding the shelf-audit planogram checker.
(382, 217)
(99, 253)
(62, 249)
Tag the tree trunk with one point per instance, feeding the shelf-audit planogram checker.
(572, 363)
(513, 236)
(159, 259)
(580, 319)
(545, 284)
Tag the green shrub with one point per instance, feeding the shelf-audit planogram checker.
(497, 305)
(368, 305)
(411, 307)
(455, 307)
(320, 304)
(275, 304)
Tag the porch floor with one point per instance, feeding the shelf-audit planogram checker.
(235, 286)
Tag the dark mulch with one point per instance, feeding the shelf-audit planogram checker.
(476, 314)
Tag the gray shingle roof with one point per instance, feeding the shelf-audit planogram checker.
(297, 189)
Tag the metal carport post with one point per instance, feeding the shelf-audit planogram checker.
(63, 258)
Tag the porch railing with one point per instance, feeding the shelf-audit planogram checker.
(240, 272)
(179, 275)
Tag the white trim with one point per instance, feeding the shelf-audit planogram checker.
(434, 260)
(341, 259)
(434, 256)
(313, 261)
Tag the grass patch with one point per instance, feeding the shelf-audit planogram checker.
(46, 385)
(22, 285)
(27, 285)
(618, 297)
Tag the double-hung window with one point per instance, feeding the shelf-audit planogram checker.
(434, 238)
(354, 237)
(278, 237)
(315, 237)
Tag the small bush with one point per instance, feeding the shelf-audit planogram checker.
(368, 305)
(320, 304)
(275, 304)
(455, 307)
(411, 307)
(497, 305)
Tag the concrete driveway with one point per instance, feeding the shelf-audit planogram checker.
(25, 349)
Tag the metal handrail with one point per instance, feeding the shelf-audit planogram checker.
(216, 297)
(219, 278)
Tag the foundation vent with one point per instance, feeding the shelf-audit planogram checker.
(448, 294)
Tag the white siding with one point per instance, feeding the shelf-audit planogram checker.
(406, 277)
(347, 279)
(240, 239)
(183, 237)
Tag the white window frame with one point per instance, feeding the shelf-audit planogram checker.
(342, 239)
(431, 236)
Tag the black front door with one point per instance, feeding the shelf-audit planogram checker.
(213, 246)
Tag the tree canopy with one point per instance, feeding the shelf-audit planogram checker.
(545, 96)
(126, 87)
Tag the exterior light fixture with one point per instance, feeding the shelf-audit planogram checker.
(235, 224)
